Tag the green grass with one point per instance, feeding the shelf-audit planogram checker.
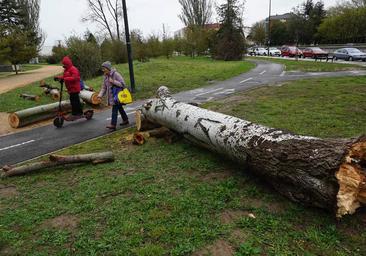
(311, 66)
(162, 199)
(331, 107)
(176, 199)
(179, 74)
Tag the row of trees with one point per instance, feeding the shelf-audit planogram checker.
(20, 34)
(310, 23)
(225, 42)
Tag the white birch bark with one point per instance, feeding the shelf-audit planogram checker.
(302, 168)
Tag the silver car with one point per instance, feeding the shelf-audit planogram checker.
(349, 54)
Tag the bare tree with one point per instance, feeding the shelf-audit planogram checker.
(106, 13)
(196, 12)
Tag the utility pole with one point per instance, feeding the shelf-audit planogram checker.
(129, 48)
(269, 27)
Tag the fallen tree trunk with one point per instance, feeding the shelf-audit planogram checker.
(89, 96)
(29, 96)
(56, 160)
(35, 114)
(326, 173)
(142, 124)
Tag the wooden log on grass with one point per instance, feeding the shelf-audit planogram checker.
(29, 96)
(32, 115)
(90, 96)
(326, 173)
(56, 160)
(142, 124)
(140, 138)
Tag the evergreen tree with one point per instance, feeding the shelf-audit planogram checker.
(229, 42)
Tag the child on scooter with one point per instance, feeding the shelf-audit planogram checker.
(71, 77)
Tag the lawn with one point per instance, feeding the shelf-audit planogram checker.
(180, 74)
(328, 107)
(178, 199)
(311, 66)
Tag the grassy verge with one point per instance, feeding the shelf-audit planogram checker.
(162, 199)
(311, 66)
(331, 107)
(178, 73)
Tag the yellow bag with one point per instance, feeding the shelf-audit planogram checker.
(125, 96)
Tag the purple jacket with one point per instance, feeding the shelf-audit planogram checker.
(107, 86)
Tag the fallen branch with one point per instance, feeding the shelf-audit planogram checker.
(29, 97)
(56, 160)
(326, 173)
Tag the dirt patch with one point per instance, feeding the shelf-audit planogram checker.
(8, 191)
(238, 237)
(28, 77)
(4, 250)
(65, 222)
(228, 216)
(219, 248)
(214, 176)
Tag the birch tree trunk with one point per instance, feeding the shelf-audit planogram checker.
(326, 173)
(32, 115)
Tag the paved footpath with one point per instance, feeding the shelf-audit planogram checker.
(22, 146)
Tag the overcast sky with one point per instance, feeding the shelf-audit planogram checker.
(62, 18)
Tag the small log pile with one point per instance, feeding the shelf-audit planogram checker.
(54, 92)
(325, 173)
(56, 160)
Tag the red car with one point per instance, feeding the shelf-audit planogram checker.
(290, 51)
(315, 53)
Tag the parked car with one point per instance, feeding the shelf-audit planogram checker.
(349, 54)
(273, 51)
(257, 51)
(314, 52)
(290, 51)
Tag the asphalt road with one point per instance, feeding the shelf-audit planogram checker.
(22, 146)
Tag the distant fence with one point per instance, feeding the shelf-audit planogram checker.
(9, 68)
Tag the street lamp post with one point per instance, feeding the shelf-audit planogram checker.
(269, 27)
(129, 49)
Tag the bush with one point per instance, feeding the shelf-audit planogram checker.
(114, 51)
(85, 55)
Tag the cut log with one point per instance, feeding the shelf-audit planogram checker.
(29, 96)
(140, 138)
(35, 114)
(55, 94)
(142, 124)
(90, 97)
(56, 160)
(326, 173)
(50, 90)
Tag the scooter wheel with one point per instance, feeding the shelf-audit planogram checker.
(58, 122)
(89, 114)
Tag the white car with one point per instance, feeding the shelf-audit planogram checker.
(259, 51)
(274, 52)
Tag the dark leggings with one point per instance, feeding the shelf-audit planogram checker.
(115, 109)
(75, 104)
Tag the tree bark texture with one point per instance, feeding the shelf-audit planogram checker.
(32, 115)
(326, 173)
(90, 97)
(55, 160)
